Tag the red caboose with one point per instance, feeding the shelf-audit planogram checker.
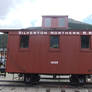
(55, 48)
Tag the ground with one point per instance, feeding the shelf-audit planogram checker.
(36, 88)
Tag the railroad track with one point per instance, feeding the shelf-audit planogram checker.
(42, 84)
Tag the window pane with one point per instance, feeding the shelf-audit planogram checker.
(48, 22)
(54, 41)
(85, 41)
(61, 22)
(24, 41)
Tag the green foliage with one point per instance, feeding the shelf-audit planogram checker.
(3, 40)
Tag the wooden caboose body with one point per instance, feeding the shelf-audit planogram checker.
(53, 49)
(70, 54)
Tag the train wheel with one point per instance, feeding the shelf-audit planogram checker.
(73, 79)
(35, 78)
(78, 79)
(82, 79)
(27, 79)
(31, 78)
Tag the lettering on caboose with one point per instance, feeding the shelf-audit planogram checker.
(54, 33)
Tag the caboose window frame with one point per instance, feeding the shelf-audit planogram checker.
(85, 41)
(24, 41)
(53, 44)
(48, 22)
(61, 22)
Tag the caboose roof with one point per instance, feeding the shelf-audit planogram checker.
(72, 25)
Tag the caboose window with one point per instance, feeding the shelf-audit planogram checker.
(61, 22)
(48, 22)
(85, 41)
(24, 41)
(54, 41)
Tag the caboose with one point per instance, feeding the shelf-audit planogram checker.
(56, 48)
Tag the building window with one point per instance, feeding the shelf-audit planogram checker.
(24, 41)
(54, 41)
(85, 41)
(61, 22)
(48, 22)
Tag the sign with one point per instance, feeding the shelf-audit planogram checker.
(54, 33)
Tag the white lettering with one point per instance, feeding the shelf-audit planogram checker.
(45, 33)
(55, 32)
(84, 33)
(62, 32)
(38, 32)
(51, 32)
(78, 33)
(54, 62)
(70, 33)
(30, 33)
(74, 33)
(59, 32)
(41, 33)
(90, 33)
(66, 33)
(34, 33)
(24, 33)
(19, 33)
(27, 32)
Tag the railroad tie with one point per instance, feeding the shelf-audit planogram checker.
(47, 90)
(62, 90)
(76, 91)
